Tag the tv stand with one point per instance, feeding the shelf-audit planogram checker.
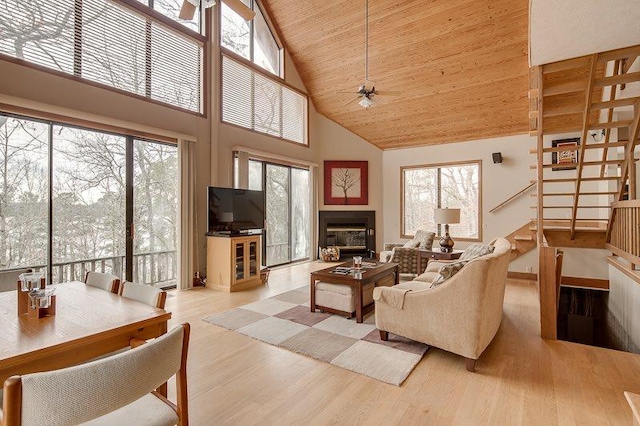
(233, 262)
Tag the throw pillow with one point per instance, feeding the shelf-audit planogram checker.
(411, 244)
(447, 271)
(476, 250)
(425, 238)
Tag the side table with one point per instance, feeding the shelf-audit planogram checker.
(434, 254)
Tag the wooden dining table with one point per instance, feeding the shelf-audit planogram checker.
(89, 322)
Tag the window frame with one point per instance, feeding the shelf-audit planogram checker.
(274, 34)
(154, 16)
(263, 73)
(439, 166)
(130, 136)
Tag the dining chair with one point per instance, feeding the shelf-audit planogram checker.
(148, 294)
(120, 389)
(102, 280)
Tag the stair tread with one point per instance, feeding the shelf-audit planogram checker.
(523, 237)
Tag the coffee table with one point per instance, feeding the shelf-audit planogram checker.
(380, 273)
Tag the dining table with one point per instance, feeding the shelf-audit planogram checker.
(89, 322)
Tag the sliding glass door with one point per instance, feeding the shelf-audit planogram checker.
(155, 213)
(287, 189)
(75, 200)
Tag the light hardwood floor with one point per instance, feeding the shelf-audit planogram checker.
(520, 378)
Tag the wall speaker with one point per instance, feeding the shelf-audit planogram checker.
(497, 157)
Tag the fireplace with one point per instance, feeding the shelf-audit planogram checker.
(352, 231)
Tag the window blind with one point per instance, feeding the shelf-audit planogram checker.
(106, 43)
(257, 102)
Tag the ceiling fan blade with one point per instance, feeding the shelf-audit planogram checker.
(187, 11)
(353, 100)
(349, 92)
(388, 92)
(241, 9)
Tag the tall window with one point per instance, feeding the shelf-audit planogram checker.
(257, 102)
(80, 175)
(288, 216)
(107, 43)
(426, 188)
(253, 40)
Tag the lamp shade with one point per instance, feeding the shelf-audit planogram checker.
(447, 216)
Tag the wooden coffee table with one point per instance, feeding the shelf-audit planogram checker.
(380, 273)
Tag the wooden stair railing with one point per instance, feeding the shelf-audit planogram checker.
(513, 197)
(625, 232)
(567, 96)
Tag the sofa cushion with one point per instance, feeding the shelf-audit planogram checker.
(425, 238)
(476, 250)
(427, 277)
(447, 271)
(411, 244)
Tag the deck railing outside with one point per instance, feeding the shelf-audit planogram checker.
(155, 268)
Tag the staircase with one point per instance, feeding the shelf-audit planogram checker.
(522, 240)
(579, 180)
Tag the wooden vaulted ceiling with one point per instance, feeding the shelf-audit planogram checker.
(461, 65)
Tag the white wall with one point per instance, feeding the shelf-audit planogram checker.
(624, 298)
(563, 29)
(499, 182)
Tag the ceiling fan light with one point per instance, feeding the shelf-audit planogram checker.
(366, 102)
(208, 3)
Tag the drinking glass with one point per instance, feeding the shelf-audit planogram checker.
(357, 262)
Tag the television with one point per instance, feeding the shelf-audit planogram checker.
(235, 211)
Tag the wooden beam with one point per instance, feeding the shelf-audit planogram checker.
(617, 79)
(627, 52)
(575, 147)
(595, 239)
(569, 64)
(564, 88)
(540, 146)
(585, 125)
(615, 103)
(610, 125)
(607, 138)
(627, 63)
(548, 292)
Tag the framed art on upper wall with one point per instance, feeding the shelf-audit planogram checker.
(346, 182)
(565, 159)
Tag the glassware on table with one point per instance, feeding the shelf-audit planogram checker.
(30, 280)
(357, 262)
(41, 298)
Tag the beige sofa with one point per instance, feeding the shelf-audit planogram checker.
(461, 315)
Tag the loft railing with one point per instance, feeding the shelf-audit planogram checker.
(624, 240)
(152, 268)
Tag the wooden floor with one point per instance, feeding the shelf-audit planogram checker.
(520, 378)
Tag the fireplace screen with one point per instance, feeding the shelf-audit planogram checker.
(350, 238)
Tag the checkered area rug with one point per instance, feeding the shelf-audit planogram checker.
(285, 321)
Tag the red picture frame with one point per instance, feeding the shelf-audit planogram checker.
(346, 182)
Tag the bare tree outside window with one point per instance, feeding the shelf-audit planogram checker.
(430, 187)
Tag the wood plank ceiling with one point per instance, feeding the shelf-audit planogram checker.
(461, 66)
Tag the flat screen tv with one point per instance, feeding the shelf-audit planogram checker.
(235, 211)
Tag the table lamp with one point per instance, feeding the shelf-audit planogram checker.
(446, 216)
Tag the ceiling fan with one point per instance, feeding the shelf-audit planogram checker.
(367, 91)
(188, 9)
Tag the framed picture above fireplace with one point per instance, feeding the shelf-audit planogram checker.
(346, 182)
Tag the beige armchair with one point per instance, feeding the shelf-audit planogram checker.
(461, 315)
(407, 257)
